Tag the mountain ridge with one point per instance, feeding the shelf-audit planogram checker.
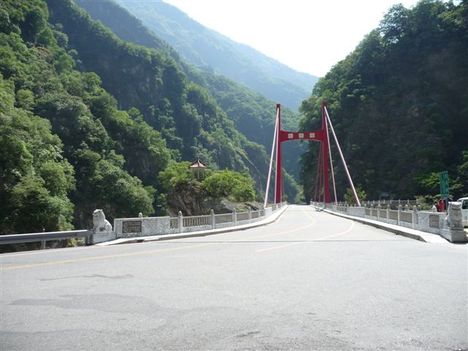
(205, 47)
(252, 113)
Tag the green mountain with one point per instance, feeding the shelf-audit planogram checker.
(206, 48)
(90, 121)
(66, 147)
(151, 81)
(252, 113)
(187, 116)
(399, 103)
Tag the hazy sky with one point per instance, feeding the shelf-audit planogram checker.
(307, 35)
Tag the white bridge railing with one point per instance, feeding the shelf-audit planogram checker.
(146, 226)
(149, 226)
(402, 213)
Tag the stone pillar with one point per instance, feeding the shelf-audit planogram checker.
(399, 213)
(180, 221)
(455, 222)
(213, 219)
(415, 217)
(234, 217)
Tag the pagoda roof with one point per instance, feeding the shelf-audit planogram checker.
(197, 164)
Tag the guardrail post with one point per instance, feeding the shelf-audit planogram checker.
(180, 221)
(250, 214)
(378, 211)
(213, 219)
(388, 213)
(43, 244)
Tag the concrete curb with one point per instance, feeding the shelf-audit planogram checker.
(398, 230)
(164, 237)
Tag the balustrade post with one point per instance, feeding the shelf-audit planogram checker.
(180, 221)
(415, 217)
(213, 219)
(399, 214)
(234, 217)
(388, 213)
(378, 211)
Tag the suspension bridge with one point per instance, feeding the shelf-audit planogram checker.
(324, 164)
(310, 280)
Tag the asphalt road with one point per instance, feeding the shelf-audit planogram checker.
(310, 281)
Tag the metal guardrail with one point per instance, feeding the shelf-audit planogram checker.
(43, 237)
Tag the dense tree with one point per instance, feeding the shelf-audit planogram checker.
(229, 184)
(191, 191)
(96, 153)
(35, 180)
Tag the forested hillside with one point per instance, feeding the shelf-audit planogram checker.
(152, 81)
(252, 113)
(69, 146)
(65, 145)
(399, 103)
(206, 48)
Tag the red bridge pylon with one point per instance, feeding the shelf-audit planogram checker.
(281, 136)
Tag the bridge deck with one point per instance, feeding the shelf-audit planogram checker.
(308, 281)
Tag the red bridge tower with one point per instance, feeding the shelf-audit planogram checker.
(320, 135)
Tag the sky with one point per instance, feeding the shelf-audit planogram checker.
(307, 35)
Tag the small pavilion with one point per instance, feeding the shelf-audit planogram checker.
(198, 167)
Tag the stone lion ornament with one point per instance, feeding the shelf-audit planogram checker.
(100, 223)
